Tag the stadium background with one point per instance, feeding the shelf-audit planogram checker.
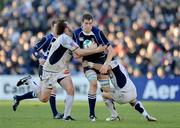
(145, 33)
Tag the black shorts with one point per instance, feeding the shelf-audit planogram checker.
(97, 71)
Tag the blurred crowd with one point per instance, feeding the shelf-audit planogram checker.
(144, 33)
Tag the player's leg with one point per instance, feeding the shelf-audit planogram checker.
(52, 99)
(29, 95)
(48, 80)
(67, 84)
(44, 94)
(92, 78)
(131, 97)
(18, 98)
(52, 102)
(104, 82)
(140, 108)
(108, 100)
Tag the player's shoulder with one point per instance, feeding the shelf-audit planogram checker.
(64, 37)
(95, 29)
(46, 39)
(49, 35)
(78, 30)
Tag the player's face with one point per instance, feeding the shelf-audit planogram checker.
(69, 29)
(53, 28)
(87, 25)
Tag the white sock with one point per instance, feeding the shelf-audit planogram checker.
(110, 107)
(35, 87)
(68, 105)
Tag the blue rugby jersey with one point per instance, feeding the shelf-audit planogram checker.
(96, 36)
(44, 44)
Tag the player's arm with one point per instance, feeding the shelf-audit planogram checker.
(88, 51)
(94, 65)
(110, 54)
(84, 52)
(37, 50)
(70, 44)
(77, 58)
(44, 43)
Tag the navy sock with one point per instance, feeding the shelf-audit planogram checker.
(139, 108)
(52, 101)
(92, 103)
(28, 95)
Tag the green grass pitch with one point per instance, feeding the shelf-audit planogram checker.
(33, 114)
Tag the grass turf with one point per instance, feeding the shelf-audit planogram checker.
(33, 114)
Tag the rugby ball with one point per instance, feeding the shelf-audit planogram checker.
(87, 43)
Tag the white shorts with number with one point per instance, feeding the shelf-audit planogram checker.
(49, 79)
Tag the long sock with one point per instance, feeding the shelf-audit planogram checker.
(35, 87)
(139, 107)
(52, 102)
(92, 103)
(110, 106)
(28, 95)
(68, 105)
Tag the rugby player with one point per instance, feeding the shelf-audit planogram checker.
(89, 33)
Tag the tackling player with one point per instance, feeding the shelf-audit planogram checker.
(56, 67)
(124, 90)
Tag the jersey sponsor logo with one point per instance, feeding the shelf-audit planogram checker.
(162, 92)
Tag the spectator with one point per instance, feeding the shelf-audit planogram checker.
(146, 34)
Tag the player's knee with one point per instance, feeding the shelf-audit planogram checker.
(133, 102)
(70, 91)
(104, 95)
(53, 91)
(44, 100)
(105, 89)
(94, 83)
(104, 84)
